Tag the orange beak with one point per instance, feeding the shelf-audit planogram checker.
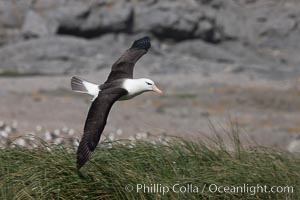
(155, 89)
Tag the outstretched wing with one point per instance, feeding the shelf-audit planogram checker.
(95, 122)
(123, 67)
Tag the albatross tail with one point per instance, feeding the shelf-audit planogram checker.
(83, 86)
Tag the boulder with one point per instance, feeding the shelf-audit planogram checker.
(12, 13)
(98, 19)
(37, 26)
(177, 20)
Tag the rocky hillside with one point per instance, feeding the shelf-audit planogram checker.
(61, 36)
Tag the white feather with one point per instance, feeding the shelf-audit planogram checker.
(83, 86)
(92, 89)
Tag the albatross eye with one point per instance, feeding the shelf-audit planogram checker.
(148, 83)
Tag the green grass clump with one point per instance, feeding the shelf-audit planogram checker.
(49, 172)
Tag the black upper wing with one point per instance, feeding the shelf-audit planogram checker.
(95, 122)
(123, 67)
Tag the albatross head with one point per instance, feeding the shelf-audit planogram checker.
(149, 85)
(138, 86)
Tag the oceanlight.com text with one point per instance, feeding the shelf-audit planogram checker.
(211, 188)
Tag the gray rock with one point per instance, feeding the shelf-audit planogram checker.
(180, 64)
(173, 20)
(280, 26)
(230, 23)
(166, 19)
(206, 51)
(97, 19)
(12, 13)
(11, 19)
(214, 21)
(56, 55)
(37, 26)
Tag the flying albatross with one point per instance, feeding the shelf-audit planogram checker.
(119, 85)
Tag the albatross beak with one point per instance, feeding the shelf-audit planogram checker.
(155, 89)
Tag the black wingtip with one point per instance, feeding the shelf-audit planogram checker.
(81, 160)
(142, 43)
(82, 155)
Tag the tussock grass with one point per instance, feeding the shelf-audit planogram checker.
(49, 172)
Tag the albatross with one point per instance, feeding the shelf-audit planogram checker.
(120, 85)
